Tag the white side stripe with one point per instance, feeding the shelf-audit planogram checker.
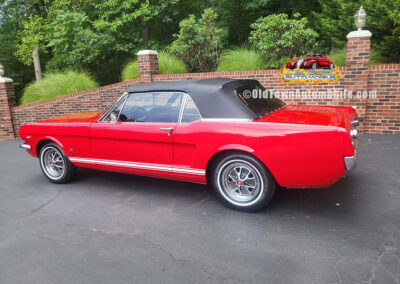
(155, 167)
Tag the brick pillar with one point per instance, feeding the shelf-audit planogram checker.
(7, 101)
(357, 60)
(148, 65)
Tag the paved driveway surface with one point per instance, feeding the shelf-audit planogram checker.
(114, 228)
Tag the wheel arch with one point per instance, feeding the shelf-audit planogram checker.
(212, 162)
(46, 140)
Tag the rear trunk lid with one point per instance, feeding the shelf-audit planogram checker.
(313, 115)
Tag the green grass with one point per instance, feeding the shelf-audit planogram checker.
(339, 56)
(241, 59)
(57, 84)
(167, 64)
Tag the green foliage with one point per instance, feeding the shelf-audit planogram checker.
(57, 84)
(130, 71)
(32, 36)
(279, 37)
(335, 20)
(167, 64)
(242, 59)
(199, 42)
(339, 56)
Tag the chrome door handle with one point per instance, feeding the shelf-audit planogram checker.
(169, 129)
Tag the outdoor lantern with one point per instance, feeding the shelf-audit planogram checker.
(360, 18)
(1, 70)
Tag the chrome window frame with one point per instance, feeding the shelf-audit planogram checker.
(180, 113)
(104, 115)
(183, 109)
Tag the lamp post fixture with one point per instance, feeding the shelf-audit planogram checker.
(360, 18)
(1, 70)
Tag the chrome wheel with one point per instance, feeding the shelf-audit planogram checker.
(314, 65)
(240, 182)
(53, 163)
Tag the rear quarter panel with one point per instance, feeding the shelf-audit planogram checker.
(297, 155)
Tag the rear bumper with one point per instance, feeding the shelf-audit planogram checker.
(350, 163)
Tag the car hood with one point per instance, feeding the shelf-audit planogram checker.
(77, 117)
(314, 115)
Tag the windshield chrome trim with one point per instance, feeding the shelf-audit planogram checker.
(110, 109)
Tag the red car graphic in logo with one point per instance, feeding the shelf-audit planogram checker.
(311, 61)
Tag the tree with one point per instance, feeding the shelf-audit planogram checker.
(280, 38)
(336, 19)
(199, 42)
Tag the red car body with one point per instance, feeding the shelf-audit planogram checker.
(311, 61)
(302, 146)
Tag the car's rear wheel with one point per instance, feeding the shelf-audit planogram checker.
(243, 183)
(55, 164)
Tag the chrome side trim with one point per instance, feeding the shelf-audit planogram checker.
(226, 119)
(25, 146)
(156, 167)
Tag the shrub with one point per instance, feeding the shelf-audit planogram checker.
(199, 42)
(167, 64)
(339, 56)
(57, 84)
(279, 37)
(242, 59)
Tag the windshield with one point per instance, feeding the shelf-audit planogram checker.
(258, 100)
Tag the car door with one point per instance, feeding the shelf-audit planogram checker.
(137, 136)
(189, 139)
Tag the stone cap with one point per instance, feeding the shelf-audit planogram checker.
(5, 80)
(359, 33)
(147, 52)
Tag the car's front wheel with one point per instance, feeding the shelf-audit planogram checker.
(55, 164)
(314, 65)
(243, 183)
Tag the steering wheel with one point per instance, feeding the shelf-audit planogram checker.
(136, 113)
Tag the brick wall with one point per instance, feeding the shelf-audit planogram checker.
(91, 100)
(379, 115)
(7, 101)
(383, 113)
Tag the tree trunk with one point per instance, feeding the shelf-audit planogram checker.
(36, 64)
(145, 27)
(145, 30)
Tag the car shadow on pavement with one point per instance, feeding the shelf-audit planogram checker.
(311, 201)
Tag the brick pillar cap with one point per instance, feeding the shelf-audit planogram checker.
(360, 33)
(147, 52)
(5, 80)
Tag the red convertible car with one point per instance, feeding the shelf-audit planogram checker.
(311, 61)
(205, 131)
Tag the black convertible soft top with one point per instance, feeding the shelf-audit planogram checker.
(215, 98)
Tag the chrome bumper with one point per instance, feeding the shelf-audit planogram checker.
(25, 146)
(350, 163)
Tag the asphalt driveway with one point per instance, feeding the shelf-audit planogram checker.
(114, 228)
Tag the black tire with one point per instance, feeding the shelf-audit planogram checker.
(314, 65)
(52, 170)
(223, 180)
